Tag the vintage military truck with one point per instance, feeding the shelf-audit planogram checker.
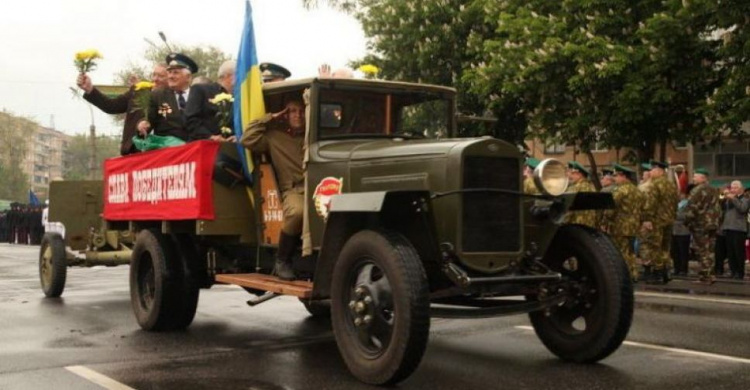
(403, 222)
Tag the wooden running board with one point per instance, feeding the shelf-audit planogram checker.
(297, 288)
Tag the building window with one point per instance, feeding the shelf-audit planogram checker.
(37, 179)
(554, 148)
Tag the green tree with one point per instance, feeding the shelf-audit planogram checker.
(79, 152)
(208, 58)
(14, 133)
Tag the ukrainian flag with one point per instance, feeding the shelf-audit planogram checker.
(248, 91)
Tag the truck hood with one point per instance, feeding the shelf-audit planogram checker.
(356, 150)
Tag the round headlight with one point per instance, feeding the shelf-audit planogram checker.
(551, 177)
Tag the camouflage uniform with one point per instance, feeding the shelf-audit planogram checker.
(583, 217)
(529, 187)
(624, 221)
(702, 218)
(660, 209)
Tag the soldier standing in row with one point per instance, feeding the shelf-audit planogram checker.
(3, 227)
(528, 176)
(657, 223)
(624, 221)
(23, 225)
(608, 180)
(578, 178)
(12, 223)
(702, 218)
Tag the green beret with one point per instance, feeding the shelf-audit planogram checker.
(702, 171)
(622, 169)
(646, 166)
(531, 162)
(659, 164)
(574, 165)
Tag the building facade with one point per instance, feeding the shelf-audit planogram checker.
(45, 159)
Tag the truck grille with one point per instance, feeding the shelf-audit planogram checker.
(491, 221)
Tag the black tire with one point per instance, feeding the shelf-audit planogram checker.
(318, 309)
(596, 318)
(53, 265)
(157, 283)
(381, 276)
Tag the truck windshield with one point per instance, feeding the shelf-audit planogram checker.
(357, 114)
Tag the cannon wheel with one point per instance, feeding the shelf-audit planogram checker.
(157, 284)
(53, 265)
(380, 307)
(596, 316)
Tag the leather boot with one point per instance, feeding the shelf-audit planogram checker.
(283, 267)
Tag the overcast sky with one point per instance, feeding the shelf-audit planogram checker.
(39, 38)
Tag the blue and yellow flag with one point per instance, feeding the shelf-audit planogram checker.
(248, 89)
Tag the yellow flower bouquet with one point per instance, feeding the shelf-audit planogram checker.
(84, 60)
(142, 96)
(370, 71)
(223, 102)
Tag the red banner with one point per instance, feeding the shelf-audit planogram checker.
(167, 184)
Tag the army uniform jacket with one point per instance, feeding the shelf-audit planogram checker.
(661, 202)
(704, 209)
(201, 115)
(625, 219)
(285, 149)
(584, 217)
(165, 116)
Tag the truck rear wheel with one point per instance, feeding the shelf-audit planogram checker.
(595, 318)
(157, 284)
(380, 307)
(53, 265)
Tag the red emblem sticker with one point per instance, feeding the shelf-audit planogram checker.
(327, 188)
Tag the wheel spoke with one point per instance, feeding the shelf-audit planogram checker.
(381, 327)
(381, 290)
(364, 278)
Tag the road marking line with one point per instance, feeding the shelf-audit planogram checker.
(99, 379)
(671, 349)
(689, 298)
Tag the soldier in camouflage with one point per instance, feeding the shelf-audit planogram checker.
(624, 220)
(702, 218)
(608, 185)
(528, 176)
(658, 217)
(578, 181)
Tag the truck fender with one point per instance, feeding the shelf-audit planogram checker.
(407, 212)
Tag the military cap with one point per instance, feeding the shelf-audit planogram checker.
(701, 171)
(531, 162)
(646, 166)
(659, 164)
(179, 60)
(574, 165)
(607, 171)
(622, 169)
(270, 71)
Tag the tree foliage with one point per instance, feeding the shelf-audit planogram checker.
(624, 73)
(208, 58)
(14, 138)
(79, 152)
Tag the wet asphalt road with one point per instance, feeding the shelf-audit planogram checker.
(91, 330)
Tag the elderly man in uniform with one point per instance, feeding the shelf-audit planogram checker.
(122, 104)
(528, 176)
(658, 217)
(202, 119)
(285, 145)
(578, 178)
(166, 107)
(271, 73)
(702, 218)
(734, 227)
(624, 220)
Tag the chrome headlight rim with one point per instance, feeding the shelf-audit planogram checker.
(551, 177)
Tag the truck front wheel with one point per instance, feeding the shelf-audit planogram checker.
(157, 283)
(53, 265)
(595, 317)
(380, 307)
